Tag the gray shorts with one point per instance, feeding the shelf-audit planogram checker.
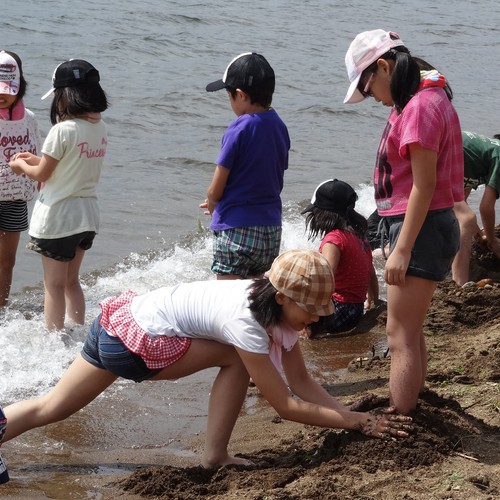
(435, 247)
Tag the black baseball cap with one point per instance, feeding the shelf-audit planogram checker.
(333, 196)
(72, 73)
(248, 71)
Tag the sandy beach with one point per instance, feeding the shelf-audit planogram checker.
(454, 452)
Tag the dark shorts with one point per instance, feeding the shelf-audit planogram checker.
(435, 247)
(246, 251)
(108, 352)
(345, 317)
(63, 249)
(372, 232)
(13, 216)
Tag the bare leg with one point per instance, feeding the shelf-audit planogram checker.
(83, 382)
(226, 398)
(423, 359)
(75, 300)
(468, 228)
(55, 274)
(80, 385)
(9, 242)
(406, 309)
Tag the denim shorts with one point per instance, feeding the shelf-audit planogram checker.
(108, 352)
(246, 251)
(435, 247)
(63, 249)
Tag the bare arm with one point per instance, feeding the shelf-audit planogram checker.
(216, 189)
(317, 407)
(423, 165)
(37, 168)
(332, 254)
(311, 411)
(373, 290)
(302, 384)
(487, 210)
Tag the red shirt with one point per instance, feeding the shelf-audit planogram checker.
(352, 277)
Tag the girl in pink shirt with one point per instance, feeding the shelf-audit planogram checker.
(418, 178)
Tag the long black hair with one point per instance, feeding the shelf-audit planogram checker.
(320, 222)
(405, 78)
(262, 297)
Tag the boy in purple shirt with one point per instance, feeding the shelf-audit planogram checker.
(244, 195)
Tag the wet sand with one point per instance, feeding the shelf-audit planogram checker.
(133, 426)
(144, 439)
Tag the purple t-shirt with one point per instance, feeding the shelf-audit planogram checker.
(430, 120)
(255, 150)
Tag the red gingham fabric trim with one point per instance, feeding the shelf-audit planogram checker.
(157, 352)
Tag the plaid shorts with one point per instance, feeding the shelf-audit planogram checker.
(246, 251)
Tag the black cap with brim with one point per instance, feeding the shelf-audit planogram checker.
(217, 85)
(249, 72)
(72, 73)
(307, 209)
(333, 196)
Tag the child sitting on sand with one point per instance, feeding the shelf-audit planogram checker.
(332, 217)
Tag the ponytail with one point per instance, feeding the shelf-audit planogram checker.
(405, 77)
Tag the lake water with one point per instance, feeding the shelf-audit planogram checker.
(155, 59)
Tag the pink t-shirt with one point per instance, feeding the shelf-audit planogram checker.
(430, 120)
(352, 277)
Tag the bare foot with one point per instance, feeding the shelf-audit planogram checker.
(229, 460)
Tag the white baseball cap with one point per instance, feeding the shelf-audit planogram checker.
(364, 50)
(10, 74)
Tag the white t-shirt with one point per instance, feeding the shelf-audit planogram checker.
(214, 310)
(67, 203)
